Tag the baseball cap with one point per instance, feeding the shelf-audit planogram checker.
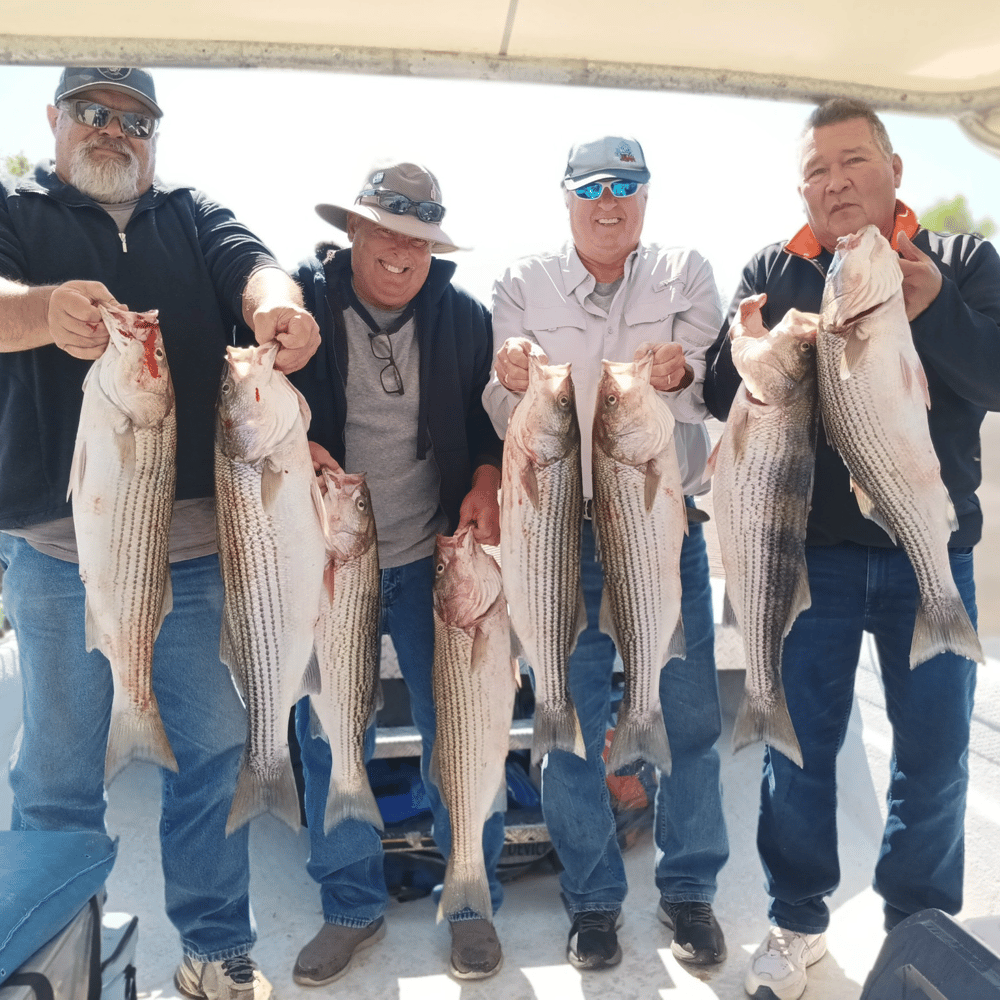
(417, 185)
(136, 82)
(611, 156)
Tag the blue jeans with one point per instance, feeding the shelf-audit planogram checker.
(690, 829)
(921, 863)
(348, 862)
(57, 769)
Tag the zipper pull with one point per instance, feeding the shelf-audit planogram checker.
(121, 236)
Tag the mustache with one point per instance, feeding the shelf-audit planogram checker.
(109, 142)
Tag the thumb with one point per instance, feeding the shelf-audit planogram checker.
(907, 249)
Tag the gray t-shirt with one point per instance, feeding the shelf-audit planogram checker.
(381, 439)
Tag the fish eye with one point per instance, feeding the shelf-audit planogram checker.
(227, 387)
(439, 569)
(564, 400)
(611, 399)
(361, 505)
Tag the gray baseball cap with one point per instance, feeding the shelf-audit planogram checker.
(609, 157)
(138, 83)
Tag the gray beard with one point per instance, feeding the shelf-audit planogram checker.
(109, 181)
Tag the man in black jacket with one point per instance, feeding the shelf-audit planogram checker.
(395, 391)
(97, 228)
(859, 580)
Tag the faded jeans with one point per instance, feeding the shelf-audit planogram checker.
(690, 829)
(921, 863)
(57, 769)
(348, 862)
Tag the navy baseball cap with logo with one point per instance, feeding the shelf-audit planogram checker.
(129, 80)
(612, 157)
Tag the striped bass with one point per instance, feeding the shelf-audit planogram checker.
(874, 400)
(347, 645)
(640, 518)
(122, 486)
(761, 485)
(269, 520)
(474, 678)
(541, 507)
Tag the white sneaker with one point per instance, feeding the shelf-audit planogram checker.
(778, 967)
(231, 979)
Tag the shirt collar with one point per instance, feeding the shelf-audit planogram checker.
(578, 281)
(805, 244)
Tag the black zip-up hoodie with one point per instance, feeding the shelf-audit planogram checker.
(183, 255)
(455, 337)
(957, 338)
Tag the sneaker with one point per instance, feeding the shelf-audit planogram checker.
(231, 979)
(593, 939)
(329, 954)
(778, 967)
(475, 949)
(697, 934)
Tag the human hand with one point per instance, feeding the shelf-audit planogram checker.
(75, 323)
(481, 508)
(512, 362)
(321, 458)
(921, 278)
(295, 330)
(669, 372)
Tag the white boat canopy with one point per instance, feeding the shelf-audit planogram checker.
(917, 56)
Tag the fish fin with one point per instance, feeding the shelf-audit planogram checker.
(137, 736)
(480, 649)
(556, 729)
(359, 803)
(652, 484)
(867, 508)
(168, 598)
(516, 669)
(736, 428)
(255, 796)
(329, 578)
(91, 629)
(78, 468)
(379, 697)
(227, 654)
(581, 621)
(316, 729)
(434, 767)
(729, 618)
(125, 440)
(605, 621)
(316, 494)
(271, 480)
(694, 515)
(950, 630)
(529, 483)
(468, 890)
(639, 737)
(801, 598)
(772, 724)
(312, 679)
(516, 649)
(677, 646)
(855, 348)
(914, 379)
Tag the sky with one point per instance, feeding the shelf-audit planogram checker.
(271, 144)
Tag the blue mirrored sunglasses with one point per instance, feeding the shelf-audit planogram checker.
(620, 189)
(132, 123)
(399, 204)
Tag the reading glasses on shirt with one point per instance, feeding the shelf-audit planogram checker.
(132, 123)
(620, 189)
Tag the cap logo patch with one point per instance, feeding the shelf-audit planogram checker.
(114, 73)
(378, 177)
(624, 153)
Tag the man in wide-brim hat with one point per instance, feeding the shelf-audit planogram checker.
(395, 391)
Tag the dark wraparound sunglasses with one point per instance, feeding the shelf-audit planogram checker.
(132, 123)
(399, 204)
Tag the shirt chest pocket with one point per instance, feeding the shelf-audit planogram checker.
(656, 311)
(553, 320)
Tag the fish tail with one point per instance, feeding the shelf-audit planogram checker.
(640, 737)
(771, 723)
(556, 729)
(357, 803)
(468, 889)
(136, 736)
(949, 630)
(258, 794)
